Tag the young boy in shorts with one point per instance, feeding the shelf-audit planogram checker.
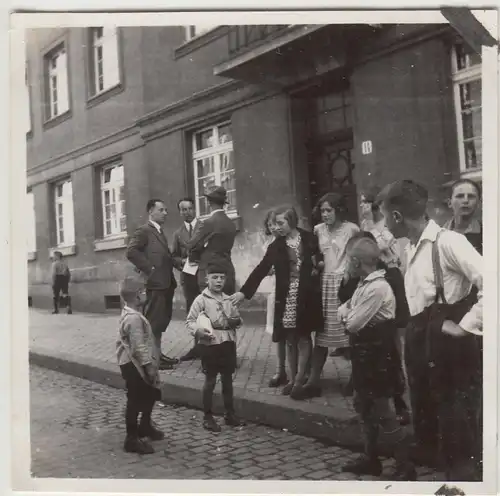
(138, 360)
(217, 341)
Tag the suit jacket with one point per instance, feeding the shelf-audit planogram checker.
(148, 250)
(213, 241)
(309, 304)
(180, 247)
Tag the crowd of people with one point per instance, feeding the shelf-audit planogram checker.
(398, 296)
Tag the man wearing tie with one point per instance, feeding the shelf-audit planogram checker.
(149, 252)
(182, 237)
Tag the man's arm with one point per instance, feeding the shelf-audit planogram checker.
(135, 251)
(464, 259)
(196, 244)
(364, 311)
(176, 251)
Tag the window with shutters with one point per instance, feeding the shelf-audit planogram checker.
(64, 213)
(104, 66)
(113, 200)
(56, 82)
(466, 68)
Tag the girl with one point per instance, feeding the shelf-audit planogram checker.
(297, 309)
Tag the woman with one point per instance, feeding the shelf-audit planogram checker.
(297, 309)
(464, 203)
(280, 378)
(333, 235)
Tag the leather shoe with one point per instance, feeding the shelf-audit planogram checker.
(210, 424)
(151, 432)
(278, 380)
(135, 445)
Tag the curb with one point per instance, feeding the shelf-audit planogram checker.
(303, 418)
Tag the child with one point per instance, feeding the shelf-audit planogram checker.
(60, 282)
(138, 360)
(217, 345)
(369, 318)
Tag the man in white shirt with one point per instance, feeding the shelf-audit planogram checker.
(441, 349)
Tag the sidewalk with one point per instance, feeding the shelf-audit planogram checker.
(83, 345)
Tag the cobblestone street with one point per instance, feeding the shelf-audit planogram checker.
(77, 431)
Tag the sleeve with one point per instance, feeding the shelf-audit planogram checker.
(135, 251)
(133, 327)
(53, 273)
(176, 251)
(262, 270)
(368, 306)
(196, 244)
(197, 307)
(464, 259)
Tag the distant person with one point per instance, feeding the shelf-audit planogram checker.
(213, 241)
(465, 200)
(138, 359)
(189, 282)
(148, 250)
(217, 343)
(61, 277)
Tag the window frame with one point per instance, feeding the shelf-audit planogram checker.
(459, 77)
(55, 198)
(215, 152)
(58, 46)
(94, 95)
(113, 186)
(190, 31)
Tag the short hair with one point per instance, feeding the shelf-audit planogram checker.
(270, 214)
(130, 286)
(151, 203)
(408, 197)
(364, 248)
(186, 199)
(466, 181)
(58, 254)
(290, 215)
(336, 201)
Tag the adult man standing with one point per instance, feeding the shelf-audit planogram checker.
(213, 241)
(446, 316)
(189, 281)
(148, 250)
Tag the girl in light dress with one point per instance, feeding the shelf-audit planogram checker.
(333, 234)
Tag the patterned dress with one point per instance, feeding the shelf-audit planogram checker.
(290, 313)
(332, 246)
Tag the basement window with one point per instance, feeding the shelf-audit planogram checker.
(112, 302)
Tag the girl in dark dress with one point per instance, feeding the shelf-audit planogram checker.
(298, 309)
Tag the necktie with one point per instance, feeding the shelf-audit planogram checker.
(190, 230)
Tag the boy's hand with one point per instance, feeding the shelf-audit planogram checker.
(150, 372)
(202, 333)
(237, 298)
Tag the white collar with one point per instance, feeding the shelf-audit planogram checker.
(215, 211)
(376, 274)
(190, 224)
(155, 225)
(207, 292)
(429, 233)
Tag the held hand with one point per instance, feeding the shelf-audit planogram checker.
(237, 298)
(202, 333)
(150, 372)
(453, 329)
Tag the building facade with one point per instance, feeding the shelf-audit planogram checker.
(276, 114)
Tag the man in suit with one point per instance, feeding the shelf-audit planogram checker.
(189, 282)
(149, 252)
(213, 241)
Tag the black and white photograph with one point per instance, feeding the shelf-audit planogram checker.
(254, 250)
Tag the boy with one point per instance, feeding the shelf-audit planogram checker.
(138, 359)
(60, 282)
(369, 318)
(217, 345)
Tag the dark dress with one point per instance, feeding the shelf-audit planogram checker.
(309, 316)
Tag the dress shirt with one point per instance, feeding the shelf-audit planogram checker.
(156, 225)
(373, 302)
(190, 225)
(462, 267)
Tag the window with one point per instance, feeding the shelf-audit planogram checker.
(65, 220)
(27, 102)
(113, 200)
(104, 65)
(213, 162)
(197, 30)
(56, 77)
(31, 228)
(466, 66)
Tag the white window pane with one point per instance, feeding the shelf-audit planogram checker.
(62, 87)
(470, 94)
(473, 154)
(205, 167)
(117, 174)
(471, 123)
(111, 70)
(204, 139)
(68, 219)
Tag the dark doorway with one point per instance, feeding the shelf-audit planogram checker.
(329, 142)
